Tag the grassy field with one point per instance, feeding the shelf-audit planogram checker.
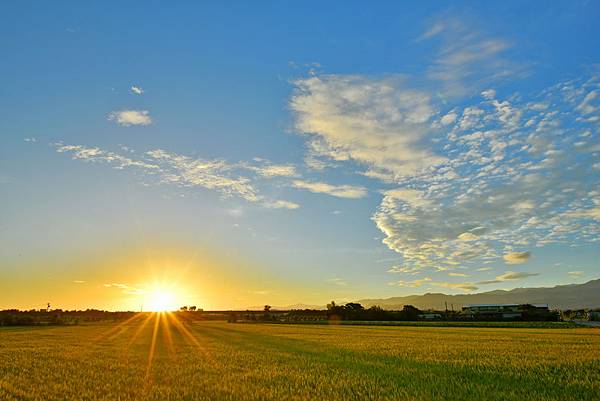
(157, 357)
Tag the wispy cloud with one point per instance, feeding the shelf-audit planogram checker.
(340, 191)
(411, 283)
(268, 169)
(430, 282)
(508, 276)
(576, 274)
(455, 274)
(467, 57)
(338, 281)
(404, 270)
(126, 288)
(463, 286)
(127, 118)
(184, 171)
(467, 287)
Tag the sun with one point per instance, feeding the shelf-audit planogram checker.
(161, 300)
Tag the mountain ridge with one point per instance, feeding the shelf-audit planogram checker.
(565, 296)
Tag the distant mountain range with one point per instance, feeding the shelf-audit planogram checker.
(571, 296)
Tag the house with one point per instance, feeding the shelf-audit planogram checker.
(430, 316)
(506, 312)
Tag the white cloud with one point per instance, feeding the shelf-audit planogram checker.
(449, 118)
(488, 94)
(587, 105)
(508, 276)
(593, 212)
(126, 288)
(467, 58)
(407, 196)
(128, 118)
(467, 287)
(281, 204)
(514, 276)
(515, 258)
(175, 169)
(468, 236)
(576, 274)
(429, 281)
(379, 122)
(509, 184)
(412, 283)
(269, 170)
(136, 90)
(340, 191)
(95, 154)
(404, 270)
(454, 274)
(338, 281)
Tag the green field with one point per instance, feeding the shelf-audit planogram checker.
(154, 357)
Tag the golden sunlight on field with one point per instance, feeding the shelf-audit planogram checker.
(159, 356)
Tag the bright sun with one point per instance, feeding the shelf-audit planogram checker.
(161, 300)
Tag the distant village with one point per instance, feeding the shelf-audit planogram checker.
(478, 312)
(349, 312)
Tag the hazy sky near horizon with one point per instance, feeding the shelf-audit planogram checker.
(250, 153)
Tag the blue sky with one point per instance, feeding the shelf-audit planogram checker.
(288, 153)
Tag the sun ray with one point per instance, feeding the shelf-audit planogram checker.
(153, 344)
(139, 329)
(113, 331)
(189, 337)
(166, 330)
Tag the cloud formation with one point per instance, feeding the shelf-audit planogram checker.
(378, 122)
(127, 118)
(516, 174)
(340, 191)
(466, 58)
(465, 183)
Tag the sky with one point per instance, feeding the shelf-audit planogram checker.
(236, 154)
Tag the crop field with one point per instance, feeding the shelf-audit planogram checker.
(160, 357)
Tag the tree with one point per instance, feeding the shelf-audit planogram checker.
(183, 308)
(192, 308)
(267, 308)
(410, 312)
(354, 307)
